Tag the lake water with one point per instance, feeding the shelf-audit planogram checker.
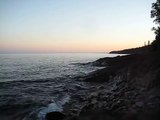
(31, 84)
(17, 67)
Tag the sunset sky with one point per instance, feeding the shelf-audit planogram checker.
(74, 25)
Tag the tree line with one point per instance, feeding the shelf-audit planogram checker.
(155, 14)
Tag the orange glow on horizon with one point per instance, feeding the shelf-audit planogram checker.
(71, 46)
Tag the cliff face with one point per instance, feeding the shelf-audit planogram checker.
(138, 50)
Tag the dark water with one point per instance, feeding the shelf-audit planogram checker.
(33, 84)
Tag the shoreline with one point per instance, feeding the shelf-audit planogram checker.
(127, 88)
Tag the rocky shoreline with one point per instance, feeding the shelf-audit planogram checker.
(127, 89)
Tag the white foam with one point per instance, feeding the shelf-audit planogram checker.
(55, 106)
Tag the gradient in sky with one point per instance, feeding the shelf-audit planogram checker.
(74, 25)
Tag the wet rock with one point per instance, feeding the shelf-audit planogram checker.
(74, 111)
(80, 87)
(86, 108)
(114, 88)
(105, 98)
(93, 95)
(118, 102)
(55, 116)
(94, 101)
(101, 87)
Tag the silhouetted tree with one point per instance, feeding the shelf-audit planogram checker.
(155, 13)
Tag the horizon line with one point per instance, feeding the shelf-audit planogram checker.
(45, 52)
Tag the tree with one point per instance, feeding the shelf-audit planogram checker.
(155, 13)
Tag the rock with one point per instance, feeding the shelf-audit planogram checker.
(100, 105)
(54, 116)
(118, 102)
(80, 87)
(94, 101)
(75, 111)
(93, 95)
(114, 88)
(139, 104)
(86, 108)
(105, 98)
(101, 87)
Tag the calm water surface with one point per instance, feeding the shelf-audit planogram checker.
(17, 67)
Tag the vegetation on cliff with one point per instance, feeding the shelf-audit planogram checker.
(155, 13)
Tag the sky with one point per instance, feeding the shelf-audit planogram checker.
(74, 25)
